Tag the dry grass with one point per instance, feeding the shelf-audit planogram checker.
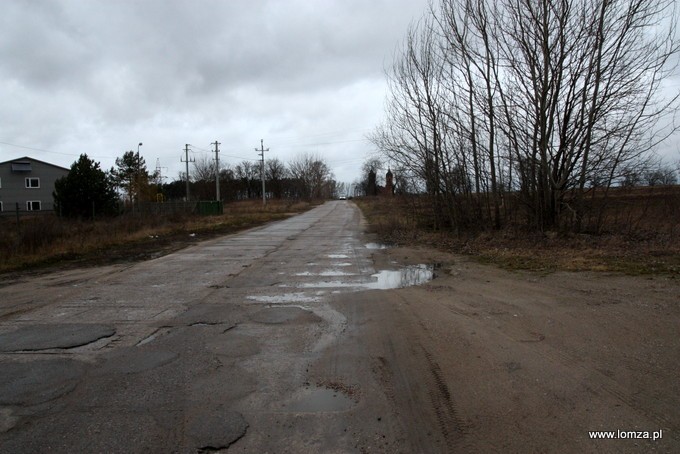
(641, 238)
(48, 240)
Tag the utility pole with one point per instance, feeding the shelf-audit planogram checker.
(187, 160)
(138, 182)
(262, 150)
(159, 180)
(217, 170)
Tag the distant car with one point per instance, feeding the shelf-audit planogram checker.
(342, 197)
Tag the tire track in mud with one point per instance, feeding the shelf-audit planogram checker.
(444, 406)
(413, 381)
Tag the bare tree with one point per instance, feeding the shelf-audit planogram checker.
(661, 175)
(248, 173)
(275, 174)
(313, 176)
(549, 97)
(203, 169)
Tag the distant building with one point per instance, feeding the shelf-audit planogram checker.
(388, 190)
(28, 182)
(372, 188)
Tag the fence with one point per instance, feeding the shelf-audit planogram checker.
(157, 208)
(17, 214)
(141, 209)
(164, 208)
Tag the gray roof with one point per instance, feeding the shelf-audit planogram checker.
(35, 160)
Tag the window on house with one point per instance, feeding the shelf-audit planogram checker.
(32, 182)
(33, 205)
(21, 166)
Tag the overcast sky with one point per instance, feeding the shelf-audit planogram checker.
(98, 77)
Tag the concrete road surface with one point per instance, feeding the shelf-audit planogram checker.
(287, 339)
(197, 350)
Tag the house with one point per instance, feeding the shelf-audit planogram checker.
(28, 182)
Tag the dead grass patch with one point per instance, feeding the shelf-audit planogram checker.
(636, 252)
(47, 240)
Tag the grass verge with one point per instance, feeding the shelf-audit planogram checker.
(45, 242)
(641, 253)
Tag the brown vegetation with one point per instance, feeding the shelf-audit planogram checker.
(639, 234)
(538, 102)
(49, 240)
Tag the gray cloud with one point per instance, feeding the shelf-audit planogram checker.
(99, 76)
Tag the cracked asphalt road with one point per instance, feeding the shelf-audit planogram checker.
(188, 352)
(278, 339)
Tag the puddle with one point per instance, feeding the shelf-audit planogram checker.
(325, 273)
(335, 273)
(405, 277)
(383, 280)
(299, 297)
(320, 400)
(374, 246)
(329, 284)
(338, 256)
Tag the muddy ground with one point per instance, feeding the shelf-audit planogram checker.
(497, 361)
(279, 340)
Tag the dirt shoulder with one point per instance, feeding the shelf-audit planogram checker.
(486, 360)
(651, 247)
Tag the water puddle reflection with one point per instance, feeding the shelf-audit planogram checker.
(325, 273)
(405, 277)
(376, 246)
(383, 280)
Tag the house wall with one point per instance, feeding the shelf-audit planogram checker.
(13, 184)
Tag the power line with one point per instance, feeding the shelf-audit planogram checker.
(302, 145)
(240, 157)
(53, 152)
(286, 139)
(221, 151)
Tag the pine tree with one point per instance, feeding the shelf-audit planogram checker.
(86, 191)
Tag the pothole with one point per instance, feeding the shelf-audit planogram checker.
(49, 336)
(319, 400)
(128, 361)
(298, 297)
(285, 314)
